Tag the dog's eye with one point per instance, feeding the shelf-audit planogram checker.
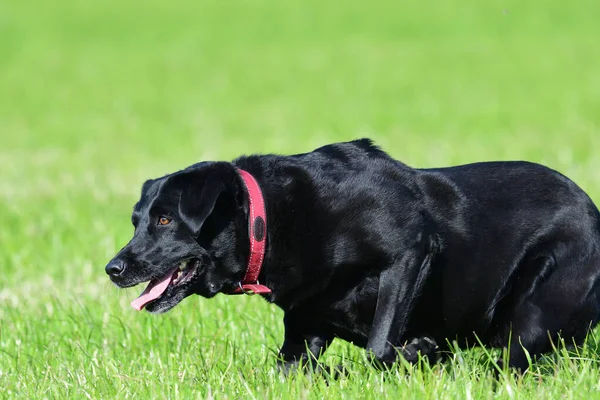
(164, 221)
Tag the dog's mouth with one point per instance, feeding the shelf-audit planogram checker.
(159, 289)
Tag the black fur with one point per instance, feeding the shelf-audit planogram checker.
(395, 259)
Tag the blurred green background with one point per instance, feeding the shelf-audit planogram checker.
(96, 97)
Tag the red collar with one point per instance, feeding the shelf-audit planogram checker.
(257, 230)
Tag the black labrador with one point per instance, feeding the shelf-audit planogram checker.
(364, 248)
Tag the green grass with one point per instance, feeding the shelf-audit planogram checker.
(95, 97)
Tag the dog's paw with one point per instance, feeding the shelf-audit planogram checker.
(288, 367)
(423, 346)
(382, 361)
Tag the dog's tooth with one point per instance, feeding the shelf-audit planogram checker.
(182, 265)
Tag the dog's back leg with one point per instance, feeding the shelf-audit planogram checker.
(566, 305)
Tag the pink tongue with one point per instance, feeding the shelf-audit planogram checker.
(154, 290)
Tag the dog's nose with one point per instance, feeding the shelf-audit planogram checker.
(115, 268)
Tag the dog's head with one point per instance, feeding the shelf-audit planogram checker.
(190, 237)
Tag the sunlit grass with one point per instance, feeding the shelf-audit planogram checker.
(95, 97)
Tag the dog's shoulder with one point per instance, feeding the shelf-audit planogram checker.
(349, 152)
(360, 148)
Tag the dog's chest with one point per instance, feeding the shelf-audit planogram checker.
(350, 315)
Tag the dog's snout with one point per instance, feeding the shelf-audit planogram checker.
(115, 268)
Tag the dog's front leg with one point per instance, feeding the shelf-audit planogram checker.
(399, 284)
(301, 349)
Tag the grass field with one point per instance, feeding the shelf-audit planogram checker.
(95, 97)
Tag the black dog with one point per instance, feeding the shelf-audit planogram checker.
(364, 248)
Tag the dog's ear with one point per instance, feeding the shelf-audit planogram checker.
(198, 199)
